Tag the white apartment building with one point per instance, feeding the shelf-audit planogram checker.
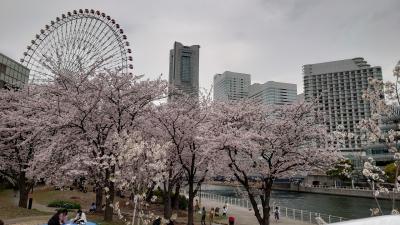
(275, 93)
(338, 87)
(231, 86)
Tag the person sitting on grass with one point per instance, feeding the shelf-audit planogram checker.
(92, 207)
(157, 221)
(60, 217)
(80, 217)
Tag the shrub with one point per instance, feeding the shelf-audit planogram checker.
(159, 194)
(64, 204)
(183, 202)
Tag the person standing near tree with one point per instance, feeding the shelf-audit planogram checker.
(197, 206)
(203, 216)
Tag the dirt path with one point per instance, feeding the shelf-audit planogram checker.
(32, 220)
(38, 206)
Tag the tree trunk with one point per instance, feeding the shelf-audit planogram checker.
(99, 198)
(190, 203)
(263, 219)
(167, 200)
(265, 201)
(109, 211)
(255, 206)
(175, 203)
(24, 189)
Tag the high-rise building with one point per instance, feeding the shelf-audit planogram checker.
(274, 93)
(231, 86)
(184, 68)
(12, 73)
(338, 87)
(300, 97)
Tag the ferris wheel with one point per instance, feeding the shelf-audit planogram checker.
(78, 41)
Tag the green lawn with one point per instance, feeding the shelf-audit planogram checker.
(45, 196)
(9, 209)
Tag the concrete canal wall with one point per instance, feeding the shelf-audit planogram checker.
(344, 191)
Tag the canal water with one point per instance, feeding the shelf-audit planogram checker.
(342, 206)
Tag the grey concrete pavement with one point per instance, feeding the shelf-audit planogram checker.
(244, 216)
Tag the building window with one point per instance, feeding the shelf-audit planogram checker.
(3, 68)
(185, 69)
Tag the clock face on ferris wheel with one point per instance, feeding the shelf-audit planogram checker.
(78, 41)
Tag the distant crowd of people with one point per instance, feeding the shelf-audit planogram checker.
(213, 213)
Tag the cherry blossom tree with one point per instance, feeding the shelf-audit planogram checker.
(182, 122)
(23, 123)
(269, 142)
(172, 173)
(384, 99)
(141, 163)
(93, 109)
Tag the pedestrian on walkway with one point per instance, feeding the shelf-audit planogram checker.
(211, 216)
(203, 216)
(1, 222)
(197, 206)
(224, 210)
(276, 214)
(231, 220)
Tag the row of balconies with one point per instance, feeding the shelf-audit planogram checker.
(345, 79)
(347, 73)
(334, 86)
(335, 90)
(314, 79)
(349, 76)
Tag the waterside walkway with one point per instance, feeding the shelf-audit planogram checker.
(244, 216)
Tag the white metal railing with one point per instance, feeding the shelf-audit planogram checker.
(341, 187)
(295, 214)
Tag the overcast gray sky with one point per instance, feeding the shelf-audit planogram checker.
(271, 40)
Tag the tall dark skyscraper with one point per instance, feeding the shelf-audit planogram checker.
(184, 68)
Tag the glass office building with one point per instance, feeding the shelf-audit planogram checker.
(12, 73)
(231, 86)
(273, 93)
